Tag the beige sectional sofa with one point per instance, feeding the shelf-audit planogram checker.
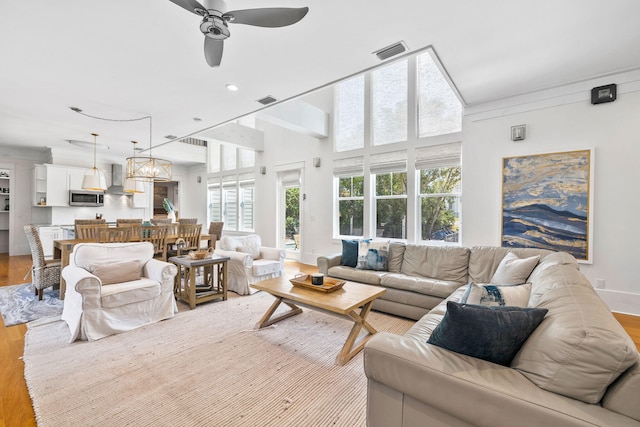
(419, 277)
(578, 368)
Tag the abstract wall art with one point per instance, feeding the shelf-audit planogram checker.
(546, 201)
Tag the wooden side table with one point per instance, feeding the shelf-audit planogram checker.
(214, 285)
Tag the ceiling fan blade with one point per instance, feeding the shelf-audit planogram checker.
(213, 51)
(267, 17)
(190, 5)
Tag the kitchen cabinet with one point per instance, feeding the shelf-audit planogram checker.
(51, 185)
(47, 236)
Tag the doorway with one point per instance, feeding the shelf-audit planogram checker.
(290, 209)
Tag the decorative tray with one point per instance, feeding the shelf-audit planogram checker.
(329, 284)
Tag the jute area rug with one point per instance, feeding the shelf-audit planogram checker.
(204, 367)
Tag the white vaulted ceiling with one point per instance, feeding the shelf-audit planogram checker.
(125, 59)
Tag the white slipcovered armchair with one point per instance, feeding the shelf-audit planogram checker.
(249, 261)
(116, 287)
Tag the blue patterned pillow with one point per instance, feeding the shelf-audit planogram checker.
(492, 295)
(490, 333)
(349, 253)
(373, 255)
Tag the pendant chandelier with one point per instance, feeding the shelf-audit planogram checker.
(133, 186)
(148, 168)
(93, 178)
(141, 168)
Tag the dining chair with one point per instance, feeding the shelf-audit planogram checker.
(157, 235)
(188, 239)
(87, 222)
(133, 223)
(114, 234)
(215, 231)
(89, 231)
(188, 220)
(44, 273)
(158, 221)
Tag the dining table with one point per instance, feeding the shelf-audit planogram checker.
(63, 248)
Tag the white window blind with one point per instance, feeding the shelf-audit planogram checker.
(394, 161)
(289, 178)
(349, 114)
(438, 156)
(353, 166)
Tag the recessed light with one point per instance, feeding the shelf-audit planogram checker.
(232, 87)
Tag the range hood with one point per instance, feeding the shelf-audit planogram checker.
(116, 181)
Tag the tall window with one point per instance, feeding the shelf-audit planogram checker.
(349, 114)
(391, 205)
(439, 175)
(389, 103)
(351, 205)
(215, 203)
(246, 206)
(439, 109)
(229, 157)
(230, 204)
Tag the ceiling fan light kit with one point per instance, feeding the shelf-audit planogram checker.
(215, 19)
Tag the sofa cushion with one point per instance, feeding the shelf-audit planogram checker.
(373, 255)
(421, 285)
(494, 334)
(116, 272)
(120, 294)
(252, 250)
(232, 243)
(513, 270)
(262, 267)
(370, 277)
(580, 348)
(495, 295)
(447, 263)
(484, 260)
(396, 255)
(86, 254)
(349, 253)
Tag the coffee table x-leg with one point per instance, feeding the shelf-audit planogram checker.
(350, 347)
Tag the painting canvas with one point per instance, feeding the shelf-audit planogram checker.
(546, 202)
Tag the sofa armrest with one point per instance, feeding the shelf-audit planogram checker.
(275, 254)
(82, 286)
(239, 257)
(327, 261)
(162, 272)
(449, 382)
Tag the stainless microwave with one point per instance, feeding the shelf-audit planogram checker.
(86, 198)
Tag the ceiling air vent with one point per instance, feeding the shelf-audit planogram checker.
(170, 136)
(267, 100)
(389, 51)
(194, 141)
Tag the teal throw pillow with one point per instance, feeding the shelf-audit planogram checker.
(349, 253)
(492, 333)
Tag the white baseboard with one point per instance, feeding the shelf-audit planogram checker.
(621, 302)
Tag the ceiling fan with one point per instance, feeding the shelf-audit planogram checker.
(215, 19)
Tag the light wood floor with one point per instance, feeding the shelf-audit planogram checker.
(15, 403)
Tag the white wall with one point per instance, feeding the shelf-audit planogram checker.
(609, 129)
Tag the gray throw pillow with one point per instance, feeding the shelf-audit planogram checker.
(513, 270)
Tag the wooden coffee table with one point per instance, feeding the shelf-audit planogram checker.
(353, 302)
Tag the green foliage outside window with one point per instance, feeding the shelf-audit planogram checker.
(351, 205)
(292, 210)
(440, 203)
(391, 209)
